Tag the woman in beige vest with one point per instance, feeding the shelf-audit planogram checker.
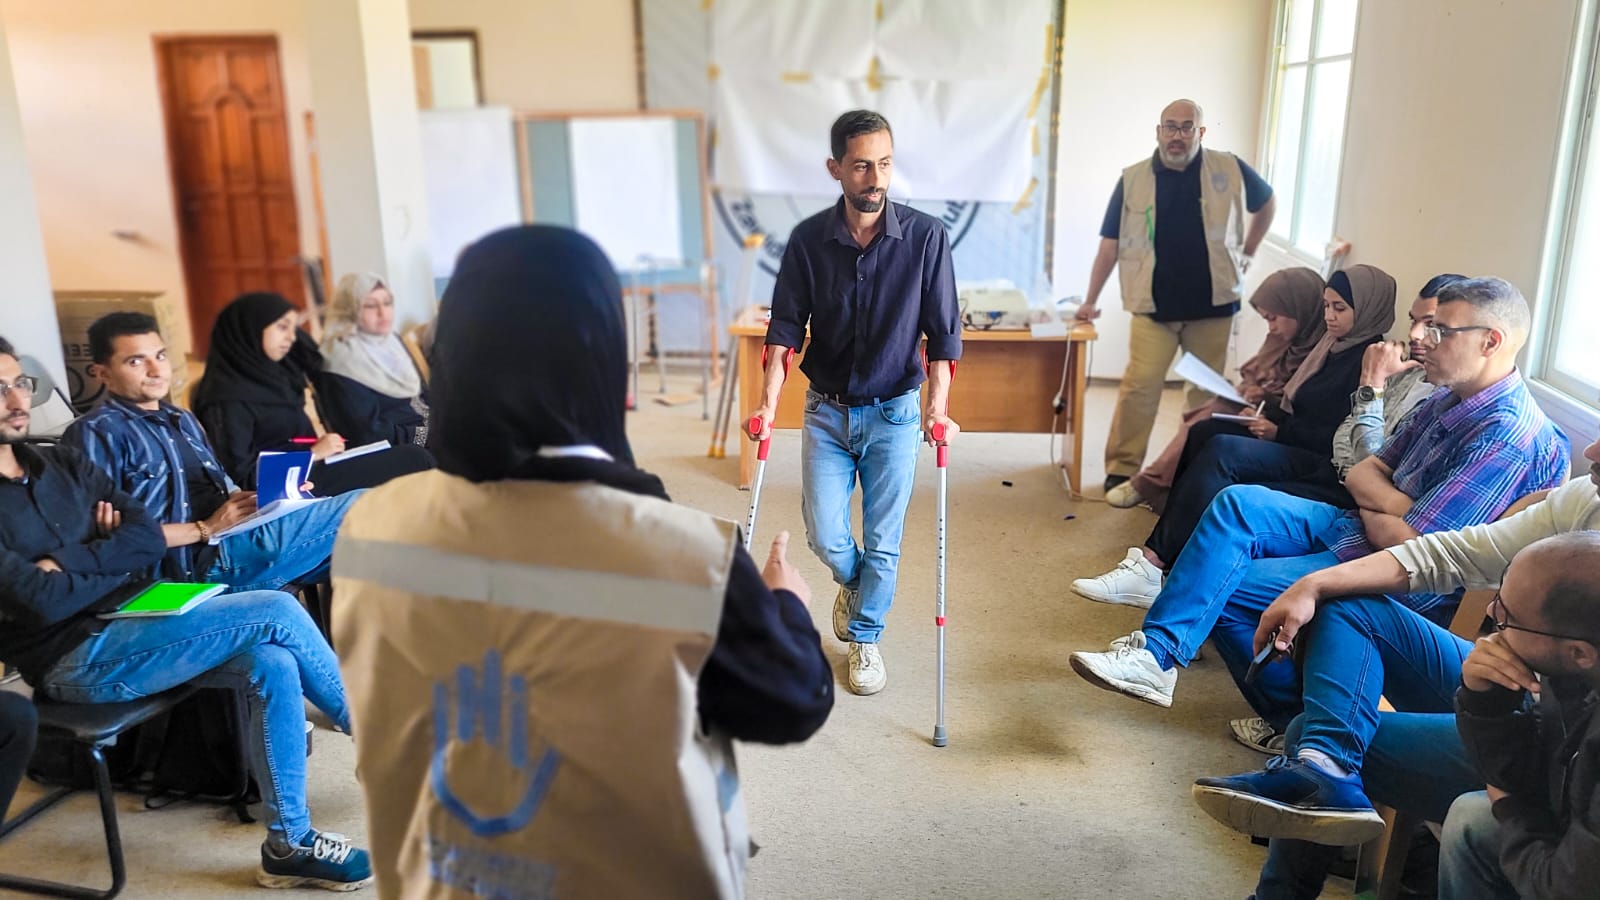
(555, 656)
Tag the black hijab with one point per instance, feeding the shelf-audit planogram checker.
(530, 352)
(239, 371)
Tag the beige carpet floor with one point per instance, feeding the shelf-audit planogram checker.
(1048, 788)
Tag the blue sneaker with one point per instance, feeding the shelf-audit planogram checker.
(1293, 799)
(325, 860)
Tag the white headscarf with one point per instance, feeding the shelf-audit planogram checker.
(379, 361)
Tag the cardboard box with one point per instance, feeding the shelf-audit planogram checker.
(77, 310)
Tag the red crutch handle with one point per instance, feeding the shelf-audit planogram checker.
(765, 446)
(941, 451)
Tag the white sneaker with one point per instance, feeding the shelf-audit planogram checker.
(1123, 496)
(845, 605)
(1128, 668)
(1134, 582)
(867, 675)
(1256, 734)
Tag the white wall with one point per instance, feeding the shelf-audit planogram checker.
(29, 317)
(546, 55)
(1452, 139)
(92, 118)
(1122, 62)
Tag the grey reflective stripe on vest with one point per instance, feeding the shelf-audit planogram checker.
(578, 593)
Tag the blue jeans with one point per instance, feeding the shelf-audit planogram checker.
(1469, 853)
(878, 444)
(1361, 648)
(1251, 543)
(262, 644)
(1228, 459)
(1416, 764)
(283, 550)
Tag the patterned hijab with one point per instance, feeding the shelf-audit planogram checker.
(1297, 294)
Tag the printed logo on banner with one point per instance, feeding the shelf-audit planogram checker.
(775, 216)
(490, 732)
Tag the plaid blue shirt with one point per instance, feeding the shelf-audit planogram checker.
(137, 448)
(1464, 463)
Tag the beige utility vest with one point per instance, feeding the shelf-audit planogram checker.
(521, 660)
(1221, 211)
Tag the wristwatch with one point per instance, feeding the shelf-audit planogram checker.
(1367, 394)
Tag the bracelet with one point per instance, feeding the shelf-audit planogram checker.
(205, 533)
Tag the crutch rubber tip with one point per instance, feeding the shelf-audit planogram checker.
(940, 739)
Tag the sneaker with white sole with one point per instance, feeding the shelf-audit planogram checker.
(846, 604)
(1123, 496)
(867, 675)
(1255, 733)
(1134, 582)
(323, 860)
(1128, 668)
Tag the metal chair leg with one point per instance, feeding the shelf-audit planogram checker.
(108, 818)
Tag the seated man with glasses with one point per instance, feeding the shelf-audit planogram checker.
(1416, 761)
(1476, 446)
(1526, 713)
(71, 549)
(158, 453)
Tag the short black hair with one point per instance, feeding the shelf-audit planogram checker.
(1438, 283)
(7, 349)
(106, 329)
(854, 124)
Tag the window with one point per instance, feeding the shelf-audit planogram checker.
(1305, 129)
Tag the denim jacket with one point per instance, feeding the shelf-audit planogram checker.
(137, 448)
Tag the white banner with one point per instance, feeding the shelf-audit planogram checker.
(955, 78)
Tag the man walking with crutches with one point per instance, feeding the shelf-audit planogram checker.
(871, 278)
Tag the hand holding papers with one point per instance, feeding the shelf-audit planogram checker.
(1202, 376)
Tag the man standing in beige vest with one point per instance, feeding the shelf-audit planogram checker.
(1175, 228)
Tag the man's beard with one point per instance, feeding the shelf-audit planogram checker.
(864, 205)
(10, 434)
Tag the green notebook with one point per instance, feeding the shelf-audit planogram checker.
(166, 598)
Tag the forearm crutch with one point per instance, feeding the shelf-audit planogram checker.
(756, 426)
(941, 455)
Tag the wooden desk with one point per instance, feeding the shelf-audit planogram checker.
(1005, 383)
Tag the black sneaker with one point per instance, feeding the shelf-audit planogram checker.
(1114, 480)
(326, 860)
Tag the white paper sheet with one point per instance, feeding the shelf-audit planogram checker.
(625, 188)
(1202, 376)
(954, 40)
(823, 38)
(470, 171)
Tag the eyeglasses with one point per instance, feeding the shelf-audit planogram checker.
(1502, 622)
(1171, 129)
(1437, 333)
(23, 386)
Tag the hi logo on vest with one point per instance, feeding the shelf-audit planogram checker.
(480, 756)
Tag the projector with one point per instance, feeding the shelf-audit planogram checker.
(1001, 309)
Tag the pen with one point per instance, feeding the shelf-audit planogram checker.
(1260, 406)
(303, 440)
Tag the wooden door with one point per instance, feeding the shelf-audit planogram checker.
(233, 186)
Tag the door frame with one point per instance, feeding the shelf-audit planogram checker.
(165, 87)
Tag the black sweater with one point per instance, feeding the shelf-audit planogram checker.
(361, 415)
(240, 431)
(1322, 403)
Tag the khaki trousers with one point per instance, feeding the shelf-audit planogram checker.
(1152, 347)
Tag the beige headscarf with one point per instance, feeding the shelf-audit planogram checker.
(1297, 294)
(378, 361)
(1371, 292)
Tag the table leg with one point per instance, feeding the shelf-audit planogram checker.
(1072, 441)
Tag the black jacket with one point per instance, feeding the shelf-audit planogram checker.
(1322, 403)
(361, 415)
(240, 431)
(1546, 756)
(43, 615)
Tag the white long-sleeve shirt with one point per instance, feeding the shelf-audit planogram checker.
(1476, 557)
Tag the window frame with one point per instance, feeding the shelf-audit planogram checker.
(1578, 158)
(1272, 115)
